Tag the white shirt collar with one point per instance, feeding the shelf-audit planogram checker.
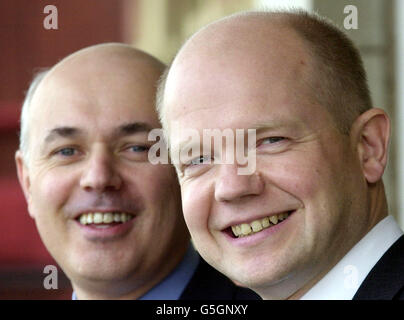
(344, 279)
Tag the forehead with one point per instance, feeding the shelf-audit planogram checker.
(94, 99)
(242, 83)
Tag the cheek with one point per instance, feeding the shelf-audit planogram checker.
(51, 190)
(300, 178)
(196, 205)
(156, 183)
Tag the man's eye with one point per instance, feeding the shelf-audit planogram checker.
(271, 140)
(139, 148)
(200, 160)
(67, 152)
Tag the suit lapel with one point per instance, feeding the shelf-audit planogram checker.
(386, 279)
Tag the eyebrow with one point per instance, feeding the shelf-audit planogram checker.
(65, 132)
(132, 128)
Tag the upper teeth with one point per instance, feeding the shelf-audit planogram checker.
(107, 217)
(245, 229)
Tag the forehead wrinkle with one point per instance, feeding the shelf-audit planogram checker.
(277, 124)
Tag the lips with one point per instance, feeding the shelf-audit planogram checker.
(105, 226)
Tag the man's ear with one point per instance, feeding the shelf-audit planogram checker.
(23, 178)
(370, 133)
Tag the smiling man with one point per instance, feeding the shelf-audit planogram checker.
(312, 221)
(110, 218)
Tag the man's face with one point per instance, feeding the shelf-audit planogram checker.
(89, 145)
(306, 172)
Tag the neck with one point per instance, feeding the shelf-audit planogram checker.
(378, 204)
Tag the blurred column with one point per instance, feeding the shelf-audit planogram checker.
(162, 26)
(399, 63)
(374, 37)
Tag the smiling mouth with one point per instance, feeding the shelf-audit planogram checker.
(104, 219)
(247, 229)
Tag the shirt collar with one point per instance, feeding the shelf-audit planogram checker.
(172, 286)
(344, 279)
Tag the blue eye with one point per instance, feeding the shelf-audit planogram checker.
(271, 140)
(67, 152)
(139, 148)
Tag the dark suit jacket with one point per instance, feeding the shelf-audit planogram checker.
(209, 284)
(386, 280)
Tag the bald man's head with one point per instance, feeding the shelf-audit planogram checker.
(110, 60)
(90, 187)
(330, 64)
(297, 84)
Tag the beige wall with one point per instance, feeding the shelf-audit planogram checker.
(165, 24)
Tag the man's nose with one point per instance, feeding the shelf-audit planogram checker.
(231, 186)
(100, 173)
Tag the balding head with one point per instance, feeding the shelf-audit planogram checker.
(323, 56)
(90, 187)
(88, 66)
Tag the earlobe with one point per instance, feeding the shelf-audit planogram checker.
(371, 133)
(23, 178)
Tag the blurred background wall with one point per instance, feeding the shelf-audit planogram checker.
(159, 27)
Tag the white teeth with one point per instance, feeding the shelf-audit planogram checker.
(123, 217)
(255, 226)
(108, 218)
(97, 218)
(117, 217)
(83, 219)
(104, 218)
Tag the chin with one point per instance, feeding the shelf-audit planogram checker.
(98, 268)
(258, 273)
(104, 274)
